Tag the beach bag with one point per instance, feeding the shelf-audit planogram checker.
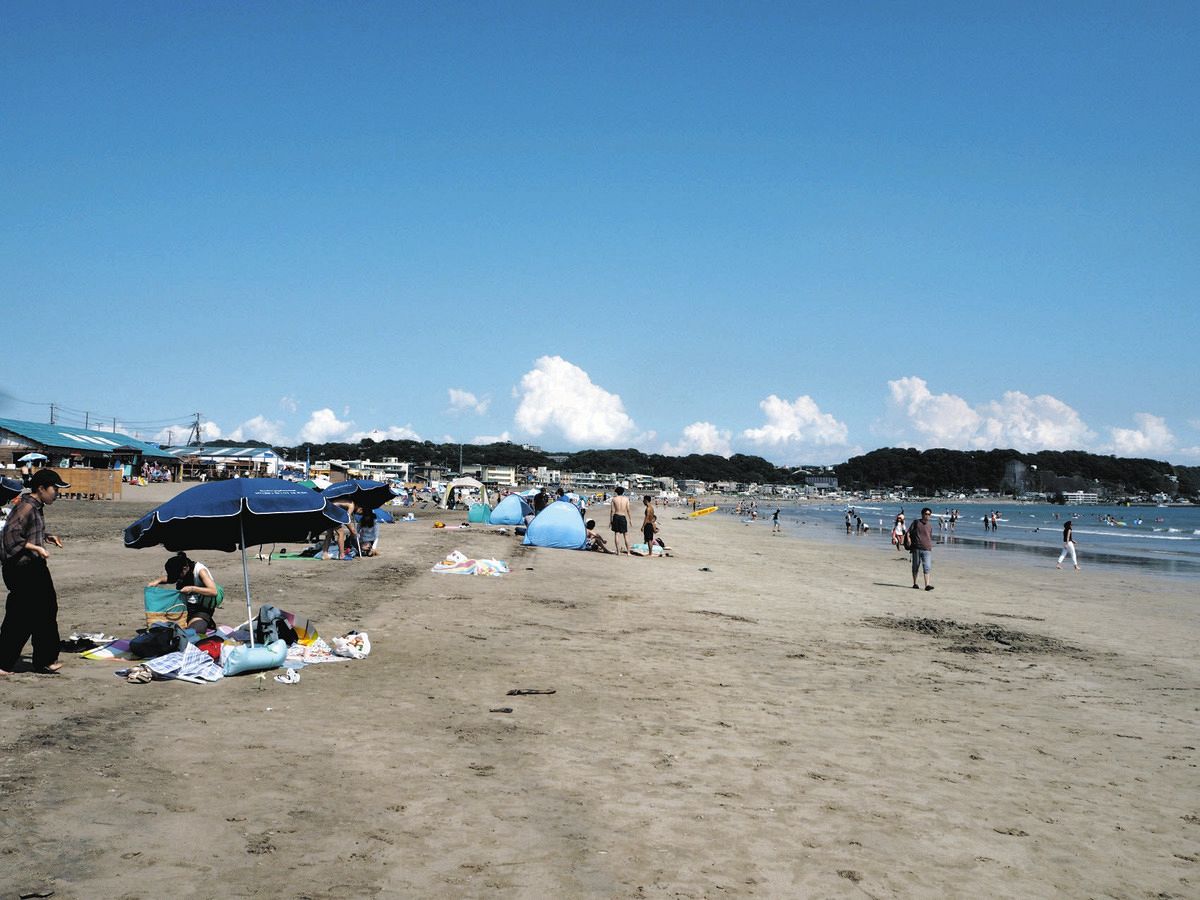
(164, 605)
(158, 640)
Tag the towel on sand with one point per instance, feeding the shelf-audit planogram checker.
(458, 563)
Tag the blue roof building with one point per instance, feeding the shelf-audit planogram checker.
(85, 447)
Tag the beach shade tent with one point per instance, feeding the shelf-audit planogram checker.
(512, 510)
(558, 525)
(462, 483)
(367, 494)
(315, 484)
(33, 457)
(532, 492)
(236, 514)
(9, 488)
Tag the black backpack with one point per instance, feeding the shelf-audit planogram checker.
(158, 640)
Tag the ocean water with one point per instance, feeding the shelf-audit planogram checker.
(1163, 539)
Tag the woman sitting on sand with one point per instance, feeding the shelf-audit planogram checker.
(193, 580)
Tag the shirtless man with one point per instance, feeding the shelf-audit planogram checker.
(620, 521)
(649, 526)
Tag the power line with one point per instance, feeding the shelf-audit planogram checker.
(74, 417)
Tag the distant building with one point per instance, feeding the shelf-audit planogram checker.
(821, 483)
(87, 448)
(221, 462)
(1081, 498)
(500, 475)
(427, 473)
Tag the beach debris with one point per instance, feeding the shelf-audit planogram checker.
(501, 709)
(721, 615)
(291, 676)
(521, 692)
(975, 637)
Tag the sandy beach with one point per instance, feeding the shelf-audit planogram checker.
(754, 716)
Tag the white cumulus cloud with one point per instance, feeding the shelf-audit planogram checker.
(502, 438)
(799, 422)
(1016, 420)
(1151, 438)
(391, 433)
(289, 404)
(701, 437)
(260, 428)
(465, 401)
(323, 426)
(558, 394)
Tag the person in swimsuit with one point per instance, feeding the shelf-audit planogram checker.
(620, 520)
(649, 523)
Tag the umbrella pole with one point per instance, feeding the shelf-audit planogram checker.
(246, 579)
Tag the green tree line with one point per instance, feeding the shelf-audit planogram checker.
(926, 471)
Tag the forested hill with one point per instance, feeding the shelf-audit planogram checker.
(926, 471)
(929, 471)
(704, 467)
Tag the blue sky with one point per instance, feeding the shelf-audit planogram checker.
(797, 230)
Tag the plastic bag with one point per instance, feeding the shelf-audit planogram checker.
(355, 645)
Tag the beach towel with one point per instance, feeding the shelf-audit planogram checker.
(189, 664)
(457, 563)
(112, 650)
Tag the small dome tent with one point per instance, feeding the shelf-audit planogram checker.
(558, 525)
(512, 510)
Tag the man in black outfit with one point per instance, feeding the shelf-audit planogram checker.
(32, 607)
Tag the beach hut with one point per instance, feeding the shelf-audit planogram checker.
(512, 510)
(559, 525)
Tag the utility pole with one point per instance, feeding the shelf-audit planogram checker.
(86, 421)
(52, 422)
(194, 435)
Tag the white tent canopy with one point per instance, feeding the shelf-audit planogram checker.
(464, 483)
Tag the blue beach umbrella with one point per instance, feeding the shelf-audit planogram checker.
(9, 488)
(33, 457)
(236, 514)
(367, 494)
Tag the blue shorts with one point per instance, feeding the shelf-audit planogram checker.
(922, 559)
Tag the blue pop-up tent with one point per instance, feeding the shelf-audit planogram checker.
(558, 525)
(512, 510)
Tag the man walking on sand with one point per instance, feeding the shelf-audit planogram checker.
(32, 607)
(620, 521)
(920, 543)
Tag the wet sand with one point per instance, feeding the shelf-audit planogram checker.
(755, 716)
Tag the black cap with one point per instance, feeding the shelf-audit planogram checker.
(46, 478)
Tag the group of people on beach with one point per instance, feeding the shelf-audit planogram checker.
(620, 515)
